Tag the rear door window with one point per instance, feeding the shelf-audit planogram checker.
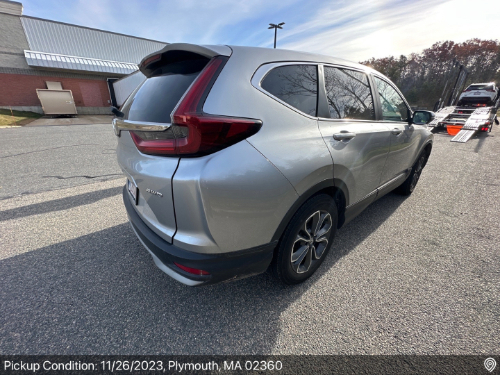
(296, 85)
(348, 94)
(394, 107)
(157, 97)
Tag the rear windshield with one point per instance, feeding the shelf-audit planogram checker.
(480, 87)
(156, 98)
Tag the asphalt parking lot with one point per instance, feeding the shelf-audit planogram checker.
(408, 276)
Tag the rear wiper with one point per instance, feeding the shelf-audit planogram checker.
(117, 112)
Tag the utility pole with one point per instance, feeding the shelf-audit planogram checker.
(275, 27)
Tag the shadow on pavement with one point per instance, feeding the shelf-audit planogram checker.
(59, 204)
(102, 294)
(482, 137)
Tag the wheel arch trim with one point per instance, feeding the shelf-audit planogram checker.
(427, 144)
(324, 185)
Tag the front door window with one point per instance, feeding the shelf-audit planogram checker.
(393, 106)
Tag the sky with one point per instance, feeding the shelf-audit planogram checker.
(354, 30)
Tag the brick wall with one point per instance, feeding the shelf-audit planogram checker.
(20, 90)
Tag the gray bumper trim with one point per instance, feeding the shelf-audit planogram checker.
(170, 272)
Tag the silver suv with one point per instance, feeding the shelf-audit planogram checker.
(239, 159)
(479, 94)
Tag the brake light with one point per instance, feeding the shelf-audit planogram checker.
(150, 60)
(194, 271)
(193, 132)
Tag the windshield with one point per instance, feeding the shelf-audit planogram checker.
(480, 87)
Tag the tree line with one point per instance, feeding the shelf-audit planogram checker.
(426, 77)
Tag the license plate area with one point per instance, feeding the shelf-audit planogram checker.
(133, 191)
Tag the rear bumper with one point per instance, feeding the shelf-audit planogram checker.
(476, 99)
(222, 267)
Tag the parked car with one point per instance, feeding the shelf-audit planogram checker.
(239, 159)
(479, 93)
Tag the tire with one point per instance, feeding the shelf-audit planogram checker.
(304, 245)
(407, 187)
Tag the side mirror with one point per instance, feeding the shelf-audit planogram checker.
(421, 117)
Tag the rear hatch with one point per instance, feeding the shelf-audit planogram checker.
(478, 94)
(147, 142)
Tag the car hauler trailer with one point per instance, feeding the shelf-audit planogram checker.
(471, 120)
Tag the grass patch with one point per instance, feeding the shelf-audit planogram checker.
(17, 117)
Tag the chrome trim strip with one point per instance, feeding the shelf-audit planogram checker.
(393, 180)
(381, 187)
(362, 199)
(170, 272)
(347, 66)
(347, 120)
(264, 69)
(119, 125)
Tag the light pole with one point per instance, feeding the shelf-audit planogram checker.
(275, 27)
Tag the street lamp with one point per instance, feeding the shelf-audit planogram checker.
(275, 27)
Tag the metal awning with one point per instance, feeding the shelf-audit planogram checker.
(55, 61)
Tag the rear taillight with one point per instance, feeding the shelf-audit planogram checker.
(194, 133)
(486, 126)
(208, 134)
(194, 271)
(156, 142)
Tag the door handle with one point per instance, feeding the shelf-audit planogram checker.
(343, 135)
(396, 131)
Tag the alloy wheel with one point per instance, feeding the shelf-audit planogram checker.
(311, 241)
